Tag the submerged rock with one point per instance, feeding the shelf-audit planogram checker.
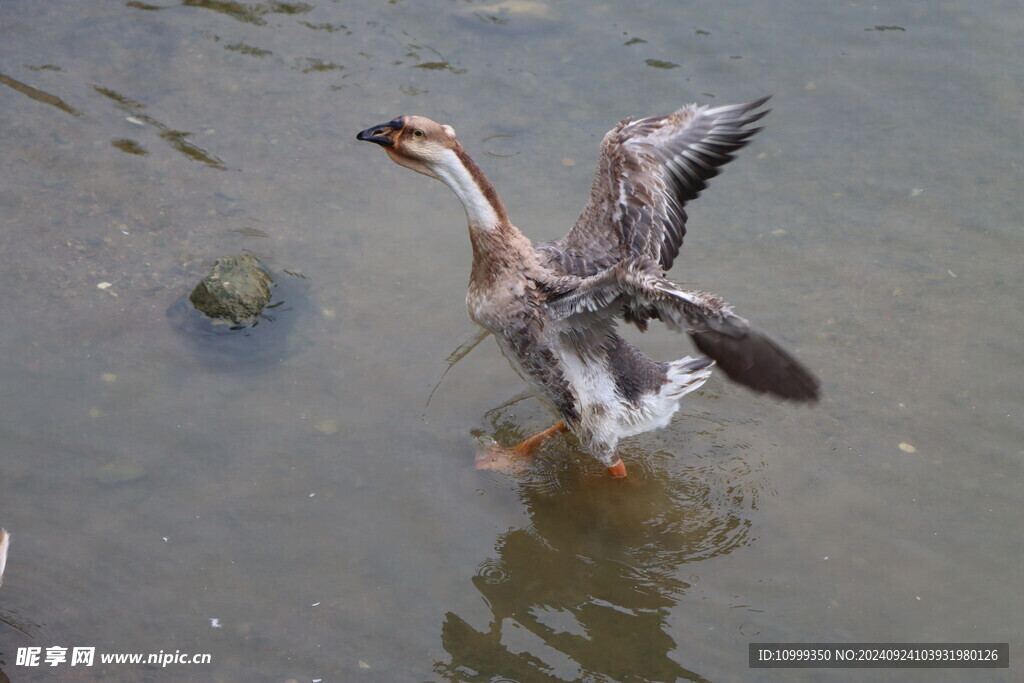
(235, 291)
(119, 471)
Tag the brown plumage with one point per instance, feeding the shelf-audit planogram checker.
(553, 307)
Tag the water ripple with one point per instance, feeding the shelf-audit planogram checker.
(492, 572)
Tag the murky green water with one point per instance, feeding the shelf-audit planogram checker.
(291, 503)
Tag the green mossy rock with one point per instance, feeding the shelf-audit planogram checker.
(235, 291)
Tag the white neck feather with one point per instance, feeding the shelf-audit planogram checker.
(450, 170)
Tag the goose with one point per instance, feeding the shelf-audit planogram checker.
(554, 307)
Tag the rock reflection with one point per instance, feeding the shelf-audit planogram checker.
(585, 591)
(245, 348)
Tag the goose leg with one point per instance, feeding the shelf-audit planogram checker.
(605, 451)
(618, 469)
(495, 457)
(529, 445)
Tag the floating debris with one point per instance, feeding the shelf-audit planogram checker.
(310, 64)
(248, 49)
(129, 146)
(5, 543)
(330, 28)
(175, 138)
(907, 448)
(39, 95)
(519, 8)
(250, 232)
(439, 66)
(521, 16)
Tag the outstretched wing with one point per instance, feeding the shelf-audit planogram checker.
(648, 170)
(635, 288)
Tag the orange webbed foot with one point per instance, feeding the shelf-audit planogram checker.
(618, 470)
(500, 459)
(515, 459)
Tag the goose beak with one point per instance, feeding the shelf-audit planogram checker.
(381, 134)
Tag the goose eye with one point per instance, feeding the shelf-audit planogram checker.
(418, 133)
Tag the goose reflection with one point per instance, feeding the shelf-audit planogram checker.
(586, 589)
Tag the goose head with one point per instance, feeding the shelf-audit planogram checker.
(415, 142)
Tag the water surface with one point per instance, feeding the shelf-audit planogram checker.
(298, 500)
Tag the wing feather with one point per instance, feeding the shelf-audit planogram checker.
(615, 256)
(635, 287)
(648, 170)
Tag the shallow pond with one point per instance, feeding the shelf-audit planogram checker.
(298, 500)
